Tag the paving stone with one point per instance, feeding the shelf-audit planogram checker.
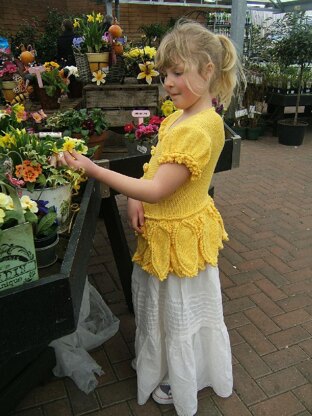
(246, 388)
(149, 409)
(58, 407)
(285, 404)
(285, 357)
(304, 394)
(117, 349)
(256, 339)
(287, 320)
(236, 319)
(271, 290)
(266, 304)
(289, 337)
(261, 321)
(306, 346)
(241, 290)
(250, 360)
(124, 370)
(121, 409)
(305, 367)
(117, 392)
(231, 406)
(101, 358)
(295, 302)
(237, 305)
(282, 381)
(53, 390)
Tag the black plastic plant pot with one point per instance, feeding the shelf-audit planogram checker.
(290, 134)
(46, 250)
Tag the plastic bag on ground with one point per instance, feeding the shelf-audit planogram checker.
(96, 325)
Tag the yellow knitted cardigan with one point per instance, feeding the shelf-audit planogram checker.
(184, 232)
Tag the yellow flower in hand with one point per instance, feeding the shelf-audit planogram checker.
(99, 77)
(147, 71)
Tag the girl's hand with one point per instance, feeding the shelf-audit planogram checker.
(77, 161)
(135, 215)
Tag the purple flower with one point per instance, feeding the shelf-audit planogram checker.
(42, 206)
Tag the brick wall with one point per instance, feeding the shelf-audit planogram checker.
(131, 16)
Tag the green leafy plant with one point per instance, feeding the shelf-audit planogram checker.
(83, 121)
(91, 29)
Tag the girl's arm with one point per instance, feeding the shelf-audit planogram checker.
(168, 178)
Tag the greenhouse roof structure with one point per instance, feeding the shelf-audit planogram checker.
(278, 6)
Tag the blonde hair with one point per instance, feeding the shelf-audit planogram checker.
(195, 46)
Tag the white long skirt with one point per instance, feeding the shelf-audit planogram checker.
(181, 337)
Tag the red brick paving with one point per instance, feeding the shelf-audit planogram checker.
(266, 275)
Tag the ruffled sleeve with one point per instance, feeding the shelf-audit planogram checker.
(185, 146)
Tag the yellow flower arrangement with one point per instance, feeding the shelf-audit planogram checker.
(139, 62)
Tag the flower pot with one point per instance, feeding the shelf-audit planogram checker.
(7, 90)
(60, 197)
(17, 254)
(98, 60)
(290, 134)
(253, 133)
(45, 248)
(241, 131)
(47, 102)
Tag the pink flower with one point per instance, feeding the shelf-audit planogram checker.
(14, 181)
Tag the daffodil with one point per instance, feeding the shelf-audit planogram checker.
(99, 77)
(76, 23)
(147, 71)
(90, 18)
(99, 17)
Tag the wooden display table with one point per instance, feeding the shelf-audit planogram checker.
(118, 100)
(34, 314)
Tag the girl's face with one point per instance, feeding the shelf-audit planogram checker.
(184, 89)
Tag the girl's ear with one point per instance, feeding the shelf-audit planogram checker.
(208, 71)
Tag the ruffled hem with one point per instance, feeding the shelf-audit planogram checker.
(181, 246)
(182, 159)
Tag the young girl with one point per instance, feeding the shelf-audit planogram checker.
(182, 344)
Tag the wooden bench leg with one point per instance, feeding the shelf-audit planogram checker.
(110, 213)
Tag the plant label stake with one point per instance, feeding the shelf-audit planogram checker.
(140, 114)
(37, 71)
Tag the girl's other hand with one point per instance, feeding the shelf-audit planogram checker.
(135, 215)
